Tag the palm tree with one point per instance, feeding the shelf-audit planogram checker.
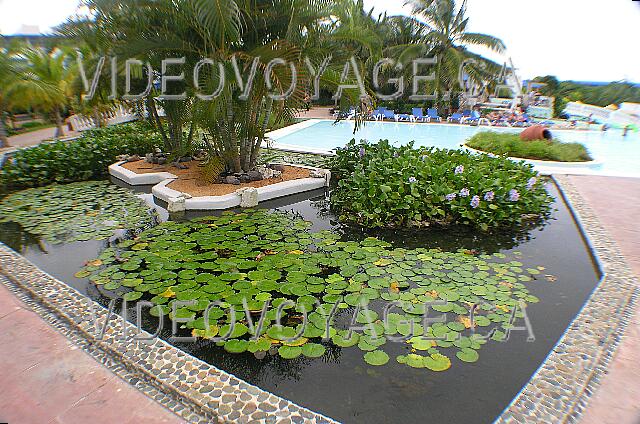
(445, 35)
(44, 82)
(8, 80)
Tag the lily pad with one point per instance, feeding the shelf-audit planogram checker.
(376, 358)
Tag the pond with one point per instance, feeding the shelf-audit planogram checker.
(340, 383)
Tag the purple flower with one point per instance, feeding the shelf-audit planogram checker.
(395, 154)
(451, 197)
(514, 196)
(489, 196)
(361, 152)
(532, 182)
(475, 202)
(464, 192)
(459, 169)
(412, 180)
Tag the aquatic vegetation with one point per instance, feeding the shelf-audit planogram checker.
(382, 186)
(75, 212)
(260, 281)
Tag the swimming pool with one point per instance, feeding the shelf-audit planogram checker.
(614, 154)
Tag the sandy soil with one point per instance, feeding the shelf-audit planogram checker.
(190, 181)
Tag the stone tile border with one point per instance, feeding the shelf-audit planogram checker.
(191, 388)
(199, 392)
(560, 389)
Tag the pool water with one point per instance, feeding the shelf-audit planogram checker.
(340, 384)
(615, 154)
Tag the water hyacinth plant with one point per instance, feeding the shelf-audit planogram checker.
(391, 187)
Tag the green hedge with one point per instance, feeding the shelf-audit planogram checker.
(82, 159)
(507, 144)
(388, 187)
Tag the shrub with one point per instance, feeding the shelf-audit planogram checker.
(506, 144)
(385, 186)
(82, 159)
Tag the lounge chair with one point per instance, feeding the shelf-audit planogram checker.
(377, 115)
(432, 114)
(474, 116)
(403, 117)
(456, 117)
(390, 115)
(418, 115)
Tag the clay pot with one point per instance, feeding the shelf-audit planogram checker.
(536, 132)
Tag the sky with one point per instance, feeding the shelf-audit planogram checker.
(582, 40)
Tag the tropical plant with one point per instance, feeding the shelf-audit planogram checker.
(443, 26)
(82, 159)
(511, 145)
(8, 81)
(389, 187)
(44, 82)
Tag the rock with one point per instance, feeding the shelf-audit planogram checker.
(248, 197)
(254, 175)
(122, 158)
(161, 161)
(134, 158)
(244, 178)
(316, 173)
(277, 167)
(276, 174)
(149, 158)
(176, 204)
(185, 159)
(180, 166)
(265, 172)
(232, 180)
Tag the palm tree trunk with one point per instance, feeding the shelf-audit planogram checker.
(59, 128)
(255, 151)
(233, 139)
(4, 139)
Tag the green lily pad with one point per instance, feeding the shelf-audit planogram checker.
(289, 352)
(376, 358)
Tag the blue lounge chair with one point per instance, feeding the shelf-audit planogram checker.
(389, 114)
(432, 114)
(403, 117)
(456, 117)
(377, 115)
(474, 116)
(418, 114)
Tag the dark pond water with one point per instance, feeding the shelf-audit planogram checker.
(340, 384)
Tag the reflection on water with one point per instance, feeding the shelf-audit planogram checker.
(340, 384)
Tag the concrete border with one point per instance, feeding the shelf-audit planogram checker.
(120, 172)
(203, 203)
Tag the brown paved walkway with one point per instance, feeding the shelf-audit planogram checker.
(616, 201)
(37, 137)
(44, 378)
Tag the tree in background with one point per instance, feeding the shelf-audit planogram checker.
(8, 82)
(44, 82)
(443, 29)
